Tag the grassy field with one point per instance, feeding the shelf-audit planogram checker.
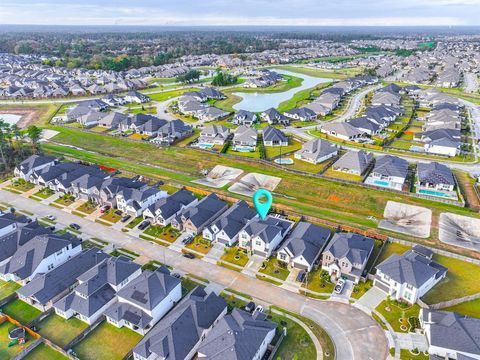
(314, 72)
(59, 330)
(301, 97)
(342, 175)
(7, 288)
(162, 96)
(44, 352)
(273, 151)
(41, 113)
(340, 204)
(107, 342)
(21, 311)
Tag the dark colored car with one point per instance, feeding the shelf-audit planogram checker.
(52, 228)
(118, 212)
(187, 240)
(75, 226)
(144, 224)
(301, 276)
(125, 218)
(189, 255)
(250, 307)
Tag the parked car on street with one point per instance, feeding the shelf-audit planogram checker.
(104, 209)
(50, 217)
(339, 287)
(189, 255)
(74, 226)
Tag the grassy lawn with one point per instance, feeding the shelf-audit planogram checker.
(21, 185)
(7, 288)
(402, 144)
(59, 330)
(10, 352)
(166, 233)
(274, 267)
(313, 72)
(459, 281)
(87, 208)
(111, 216)
(342, 175)
(273, 151)
(107, 342)
(390, 249)
(65, 200)
(188, 285)
(319, 281)
(45, 352)
(251, 154)
(407, 355)
(162, 96)
(135, 222)
(200, 245)
(306, 166)
(398, 314)
(469, 308)
(230, 256)
(233, 301)
(361, 288)
(118, 253)
(44, 193)
(21, 311)
(87, 244)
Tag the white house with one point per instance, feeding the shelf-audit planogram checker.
(136, 201)
(33, 163)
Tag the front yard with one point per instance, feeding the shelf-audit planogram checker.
(87, 207)
(200, 245)
(20, 185)
(59, 330)
(44, 352)
(235, 256)
(319, 281)
(107, 342)
(21, 311)
(361, 288)
(111, 215)
(166, 233)
(274, 267)
(7, 288)
(401, 316)
(65, 200)
(44, 193)
(134, 222)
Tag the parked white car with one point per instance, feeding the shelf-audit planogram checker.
(339, 287)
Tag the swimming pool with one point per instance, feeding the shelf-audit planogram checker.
(434, 193)
(244, 148)
(286, 161)
(205, 146)
(381, 183)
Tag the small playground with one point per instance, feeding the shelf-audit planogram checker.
(13, 339)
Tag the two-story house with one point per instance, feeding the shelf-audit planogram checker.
(167, 208)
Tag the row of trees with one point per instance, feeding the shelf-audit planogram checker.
(189, 77)
(13, 148)
(223, 78)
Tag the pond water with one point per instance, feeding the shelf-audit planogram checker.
(258, 101)
(10, 118)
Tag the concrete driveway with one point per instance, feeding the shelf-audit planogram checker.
(355, 334)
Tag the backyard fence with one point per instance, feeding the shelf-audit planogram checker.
(84, 334)
(29, 348)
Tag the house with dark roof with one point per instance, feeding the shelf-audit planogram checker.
(97, 288)
(365, 125)
(244, 117)
(212, 93)
(179, 334)
(171, 131)
(354, 162)
(304, 245)
(31, 164)
(136, 201)
(342, 130)
(163, 211)
(316, 151)
(214, 135)
(274, 137)
(262, 237)
(134, 96)
(451, 335)
(39, 255)
(238, 336)
(272, 116)
(227, 227)
(145, 300)
(409, 276)
(390, 172)
(194, 218)
(244, 139)
(10, 223)
(46, 288)
(300, 114)
(346, 255)
(435, 179)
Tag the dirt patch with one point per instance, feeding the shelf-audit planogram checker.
(29, 115)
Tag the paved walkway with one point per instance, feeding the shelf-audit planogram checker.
(355, 334)
(372, 298)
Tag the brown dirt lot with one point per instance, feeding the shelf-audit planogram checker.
(31, 114)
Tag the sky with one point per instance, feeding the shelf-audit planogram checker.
(242, 12)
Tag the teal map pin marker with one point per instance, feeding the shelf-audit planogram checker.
(262, 208)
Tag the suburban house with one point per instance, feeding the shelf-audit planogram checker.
(244, 139)
(316, 151)
(451, 335)
(178, 335)
(212, 93)
(346, 255)
(145, 300)
(239, 335)
(214, 135)
(342, 130)
(300, 114)
(163, 211)
(171, 131)
(262, 237)
(39, 255)
(444, 146)
(211, 113)
(435, 179)
(227, 227)
(390, 172)
(134, 96)
(31, 164)
(354, 162)
(272, 116)
(409, 276)
(46, 288)
(274, 137)
(97, 288)
(365, 125)
(136, 201)
(244, 117)
(304, 245)
(194, 218)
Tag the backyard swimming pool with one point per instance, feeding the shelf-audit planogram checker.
(435, 193)
(244, 148)
(205, 146)
(286, 161)
(381, 183)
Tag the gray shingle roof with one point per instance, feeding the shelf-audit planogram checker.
(435, 173)
(356, 248)
(354, 160)
(235, 218)
(273, 134)
(389, 165)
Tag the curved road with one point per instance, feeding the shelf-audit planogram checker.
(355, 334)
